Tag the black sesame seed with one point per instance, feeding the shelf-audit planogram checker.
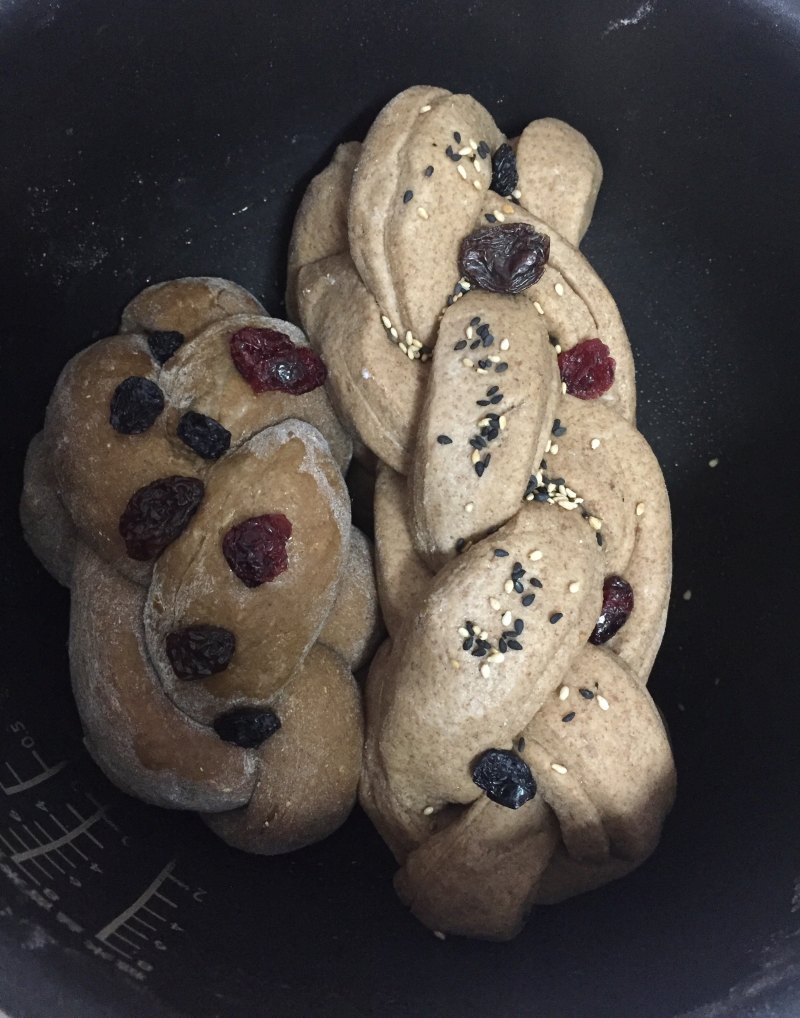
(488, 339)
(587, 694)
(553, 340)
(480, 468)
(460, 544)
(500, 553)
(490, 218)
(501, 367)
(502, 646)
(543, 465)
(558, 432)
(444, 440)
(483, 329)
(475, 321)
(479, 652)
(428, 171)
(456, 137)
(528, 600)
(477, 443)
(569, 717)
(521, 745)
(483, 152)
(467, 644)
(449, 302)
(459, 290)
(514, 645)
(519, 625)
(487, 459)
(541, 496)
(451, 154)
(599, 538)
(556, 617)
(482, 402)
(497, 399)
(460, 345)
(518, 569)
(536, 583)
(407, 197)
(518, 586)
(474, 346)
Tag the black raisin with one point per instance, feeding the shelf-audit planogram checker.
(135, 405)
(195, 652)
(507, 258)
(504, 171)
(157, 513)
(248, 727)
(164, 344)
(204, 435)
(505, 778)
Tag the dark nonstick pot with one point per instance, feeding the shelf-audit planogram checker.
(142, 141)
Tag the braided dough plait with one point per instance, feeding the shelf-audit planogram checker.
(214, 669)
(513, 754)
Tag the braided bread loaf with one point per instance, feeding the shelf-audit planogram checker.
(188, 488)
(513, 754)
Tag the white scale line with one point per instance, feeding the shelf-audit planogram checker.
(60, 851)
(34, 838)
(21, 786)
(20, 857)
(161, 918)
(144, 922)
(118, 950)
(14, 774)
(65, 839)
(136, 933)
(73, 846)
(165, 899)
(106, 819)
(125, 940)
(87, 832)
(28, 876)
(140, 902)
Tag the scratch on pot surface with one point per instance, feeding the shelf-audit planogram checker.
(642, 11)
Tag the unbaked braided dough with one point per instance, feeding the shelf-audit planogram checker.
(282, 770)
(491, 569)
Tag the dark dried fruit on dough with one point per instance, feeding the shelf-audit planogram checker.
(204, 435)
(135, 405)
(617, 607)
(270, 362)
(255, 549)
(196, 652)
(158, 513)
(248, 727)
(164, 344)
(504, 171)
(504, 259)
(588, 369)
(505, 777)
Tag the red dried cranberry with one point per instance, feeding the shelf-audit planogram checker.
(135, 405)
(588, 369)
(270, 362)
(617, 606)
(157, 513)
(204, 435)
(256, 548)
(504, 171)
(505, 778)
(504, 259)
(195, 652)
(247, 727)
(164, 344)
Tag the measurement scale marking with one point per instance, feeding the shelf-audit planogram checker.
(22, 786)
(140, 902)
(65, 839)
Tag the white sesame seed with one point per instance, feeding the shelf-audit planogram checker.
(538, 307)
(394, 333)
(535, 556)
(422, 213)
(461, 171)
(483, 422)
(516, 193)
(549, 445)
(563, 693)
(475, 455)
(409, 336)
(508, 586)
(559, 289)
(477, 184)
(467, 362)
(425, 109)
(496, 658)
(687, 595)
(595, 443)
(494, 603)
(416, 343)
(554, 448)
(484, 634)
(425, 357)
(602, 703)
(469, 507)
(574, 587)
(558, 768)
(495, 358)
(563, 388)
(465, 150)
(473, 144)
(428, 810)
(463, 632)
(486, 671)
(640, 508)
(481, 371)
(506, 617)
(470, 332)
(594, 523)
(387, 324)
(714, 463)
(438, 933)
(465, 283)
(477, 164)
(411, 354)
(499, 216)
(504, 344)
(570, 493)
(403, 346)
(502, 422)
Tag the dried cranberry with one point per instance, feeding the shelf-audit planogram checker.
(617, 606)
(135, 405)
(157, 513)
(504, 259)
(204, 435)
(248, 727)
(505, 778)
(256, 548)
(164, 344)
(269, 361)
(195, 652)
(588, 369)
(504, 171)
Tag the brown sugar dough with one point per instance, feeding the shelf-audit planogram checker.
(187, 305)
(45, 522)
(320, 226)
(559, 176)
(309, 769)
(452, 502)
(353, 627)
